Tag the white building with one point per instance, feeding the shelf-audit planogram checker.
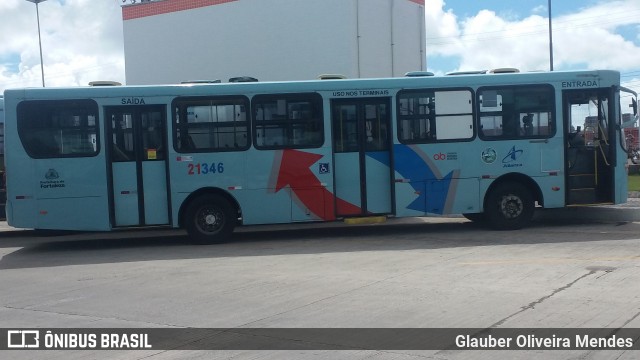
(170, 41)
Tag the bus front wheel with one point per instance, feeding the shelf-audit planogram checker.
(209, 219)
(509, 206)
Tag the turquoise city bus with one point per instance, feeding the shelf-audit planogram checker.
(209, 157)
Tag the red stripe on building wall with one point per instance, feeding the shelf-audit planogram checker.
(169, 6)
(166, 6)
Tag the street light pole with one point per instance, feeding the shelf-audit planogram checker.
(550, 41)
(39, 37)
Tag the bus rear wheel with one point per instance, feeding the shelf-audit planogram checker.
(209, 219)
(509, 206)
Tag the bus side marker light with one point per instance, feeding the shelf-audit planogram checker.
(555, 188)
(235, 188)
(553, 173)
(43, 212)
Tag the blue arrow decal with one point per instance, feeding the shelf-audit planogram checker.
(418, 170)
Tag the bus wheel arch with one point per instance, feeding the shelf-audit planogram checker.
(209, 215)
(510, 201)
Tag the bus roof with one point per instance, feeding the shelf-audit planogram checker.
(309, 85)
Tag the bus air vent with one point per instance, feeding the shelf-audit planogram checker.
(504, 71)
(331, 77)
(217, 81)
(418, 74)
(471, 72)
(242, 79)
(104, 83)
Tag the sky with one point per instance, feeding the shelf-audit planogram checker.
(82, 40)
(587, 34)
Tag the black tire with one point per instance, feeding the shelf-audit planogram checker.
(476, 217)
(210, 219)
(509, 206)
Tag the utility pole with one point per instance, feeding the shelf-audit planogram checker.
(39, 37)
(550, 41)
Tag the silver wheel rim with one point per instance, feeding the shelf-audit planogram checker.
(210, 219)
(511, 206)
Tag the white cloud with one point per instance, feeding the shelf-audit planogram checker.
(81, 42)
(583, 39)
(442, 29)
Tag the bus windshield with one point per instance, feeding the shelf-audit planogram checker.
(628, 120)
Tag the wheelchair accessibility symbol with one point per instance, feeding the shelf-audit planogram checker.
(323, 168)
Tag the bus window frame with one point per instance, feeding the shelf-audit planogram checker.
(552, 123)
(185, 99)
(313, 97)
(90, 106)
(433, 90)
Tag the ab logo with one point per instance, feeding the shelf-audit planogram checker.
(440, 156)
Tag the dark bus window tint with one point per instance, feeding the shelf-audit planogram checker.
(60, 128)
(288, 121)
(522, 112)
(211, 124)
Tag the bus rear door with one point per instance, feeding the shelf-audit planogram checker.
(137, 143)
(361, 145)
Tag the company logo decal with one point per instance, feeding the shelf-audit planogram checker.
(488, 156)
(52, 180)
(512, 157)
(447, 156)
(51, 174)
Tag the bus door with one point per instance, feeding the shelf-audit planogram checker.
(361, 146)
(137, 141)
(589, 151)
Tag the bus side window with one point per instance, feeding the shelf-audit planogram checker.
(211, 123)
(434, 115)
(58, 128)
(186, 143)
(43, 144)
(527, 125)
(510, 122)
(431, 117)
(117, 154)
(516, 112)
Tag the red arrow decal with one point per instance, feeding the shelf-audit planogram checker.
(295, 172)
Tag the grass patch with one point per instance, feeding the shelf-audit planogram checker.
(634, 182)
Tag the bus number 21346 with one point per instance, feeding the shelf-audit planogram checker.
(204, 168)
